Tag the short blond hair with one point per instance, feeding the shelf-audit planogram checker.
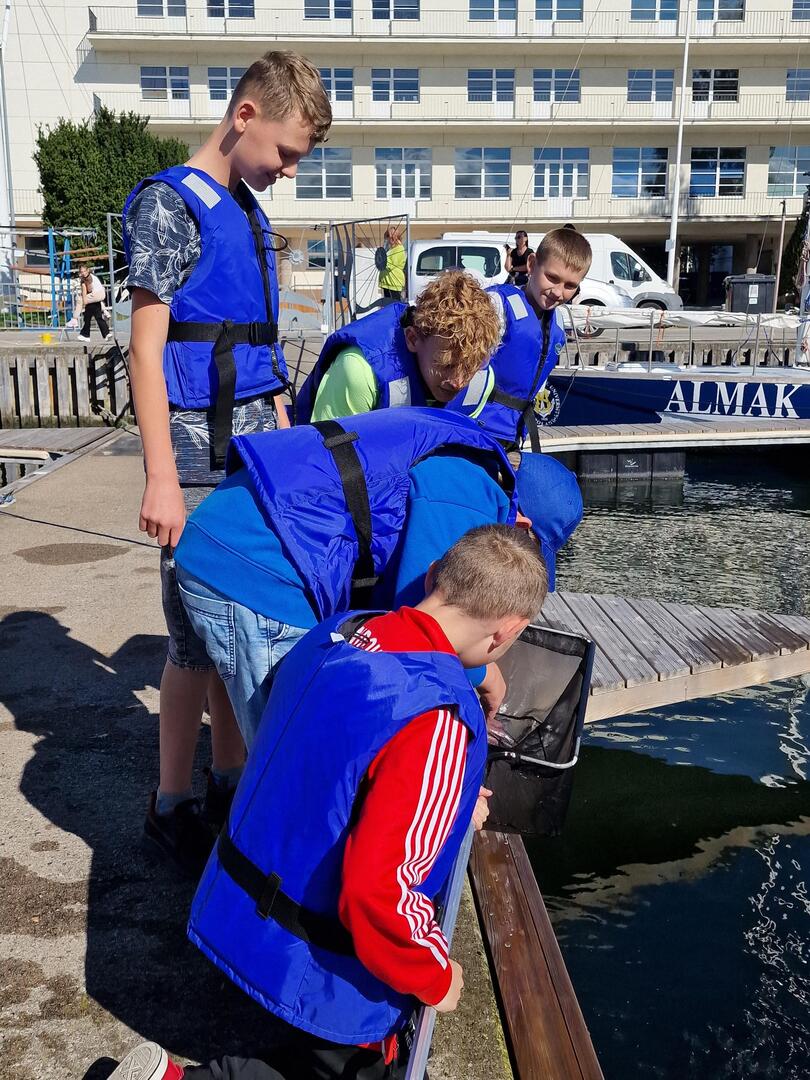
(455, 307)
(493, 572)
(567, 245)
(285, 83)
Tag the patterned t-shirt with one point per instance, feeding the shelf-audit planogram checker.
(164, 241)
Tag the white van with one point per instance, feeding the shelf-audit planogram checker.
(617, 278)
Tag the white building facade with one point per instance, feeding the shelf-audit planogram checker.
(476, 114)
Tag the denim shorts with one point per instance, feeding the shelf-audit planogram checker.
(191, 433)
(244, 646)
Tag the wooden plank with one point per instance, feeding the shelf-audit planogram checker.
(556, 613)
(704, 684)
(709, 634)
(621, 652)
(535, 1023)
(8, 408)
(782, 637)
(25, 392)
(650, 643)
(755, 644)
(799, 624)
(574, 1020)
(81, 369)
(695, 652)
(64, 403)
(45, 403)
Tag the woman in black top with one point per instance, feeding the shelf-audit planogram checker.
(516, 259)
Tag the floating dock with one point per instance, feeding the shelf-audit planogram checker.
(650, 654)
(676, 434)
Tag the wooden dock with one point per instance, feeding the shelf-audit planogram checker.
(26, 454)
(676, 434)
(543, 1023)
(650, 654)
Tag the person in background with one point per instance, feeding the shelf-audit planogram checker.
(517, 259)
(92, 299)
(392, 278)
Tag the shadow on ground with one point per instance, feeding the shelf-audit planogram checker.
(92, 767)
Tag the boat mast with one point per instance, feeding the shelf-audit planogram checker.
(676, 185)
(803, 282)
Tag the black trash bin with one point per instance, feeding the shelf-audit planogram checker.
(530, 765)
(750, 293)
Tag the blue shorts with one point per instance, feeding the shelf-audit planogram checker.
(191, 434)
(244, 646)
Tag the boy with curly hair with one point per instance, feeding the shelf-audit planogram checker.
(402, 355)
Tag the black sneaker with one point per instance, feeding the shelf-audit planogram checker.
(217, 803)
(182, 836)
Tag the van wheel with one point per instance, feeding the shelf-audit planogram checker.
(651, 305)
(590, 334)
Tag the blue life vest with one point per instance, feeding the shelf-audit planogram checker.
(528, 352)
(266, 909)
(381, 339)
(336, 494)
(222, 343)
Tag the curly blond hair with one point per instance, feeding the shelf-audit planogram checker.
(455, 307)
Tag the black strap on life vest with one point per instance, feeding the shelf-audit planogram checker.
(340, 444)
(525, 406)
(224, 335)
(273, 903)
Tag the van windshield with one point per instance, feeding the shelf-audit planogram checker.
(434, 260)
(486, 260)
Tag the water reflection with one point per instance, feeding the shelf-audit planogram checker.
(680, 887)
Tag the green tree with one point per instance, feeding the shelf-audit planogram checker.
(87, 170)
(792, 254)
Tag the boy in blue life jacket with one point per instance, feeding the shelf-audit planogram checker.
(318, 900)
(204, 359)
(532, 339)
(403, 355)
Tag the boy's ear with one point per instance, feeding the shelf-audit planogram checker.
(508, 629)
(530, 261)
(243, 112)
(430, 578)
(412, 338)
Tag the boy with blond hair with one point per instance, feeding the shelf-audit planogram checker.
(404, 355)
(532, 338)
(319, 899)
(205, 360)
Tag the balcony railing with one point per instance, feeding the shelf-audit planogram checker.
(290, 22)
(598, 208)
(594, 108)
(27, 203)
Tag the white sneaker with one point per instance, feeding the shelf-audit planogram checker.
(147, 1062)
(82, 337)
(109, 336)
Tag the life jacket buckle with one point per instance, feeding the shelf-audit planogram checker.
(268, 896)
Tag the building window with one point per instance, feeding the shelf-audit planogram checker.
(222, 81)
(491, 84)
(327, 9)
(316, 255)
(654, 10)
(489, 10)
(797, 86)
(338, 83)
(717, 171)
(482, 172)
(395, 84)
(395, 9)
(403, 173)
(561, 171)
(788, 168)
(558, 10)
(156, 9)
(801, 9)
(639, 171)
(556, 84)
(326, 173)
(160, 83)
(231, 9)
(650, 84)
(715, 84)
(720, 10)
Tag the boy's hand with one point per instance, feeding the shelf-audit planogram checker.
(450, 999)
(492, 691)
(163, 512)
(481, 811)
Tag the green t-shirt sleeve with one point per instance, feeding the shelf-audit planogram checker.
(347, 388)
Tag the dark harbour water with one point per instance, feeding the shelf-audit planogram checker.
(680, 890)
